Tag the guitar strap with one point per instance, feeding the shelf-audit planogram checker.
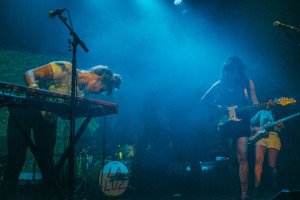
(246, 93)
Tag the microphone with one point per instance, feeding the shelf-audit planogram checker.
(285, 27)
(53, 13)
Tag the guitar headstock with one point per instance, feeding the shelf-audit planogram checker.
(284, 101)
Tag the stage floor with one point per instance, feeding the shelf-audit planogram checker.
(32, 192)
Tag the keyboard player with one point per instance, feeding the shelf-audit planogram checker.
(54, 76)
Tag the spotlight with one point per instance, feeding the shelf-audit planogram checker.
(181, 6)
(177, 2)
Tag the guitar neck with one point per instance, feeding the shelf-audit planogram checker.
(282, 101)
(281, 120)
(252, 107)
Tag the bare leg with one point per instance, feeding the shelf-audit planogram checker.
(273, 154)
(242, 146)
(259, 159)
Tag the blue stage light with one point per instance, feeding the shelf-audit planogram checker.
(177, 2)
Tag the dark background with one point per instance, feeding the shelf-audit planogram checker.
(168, 57)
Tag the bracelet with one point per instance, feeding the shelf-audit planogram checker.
(33, 85)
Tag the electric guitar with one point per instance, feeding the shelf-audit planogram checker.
(263, 133)
(230, 113)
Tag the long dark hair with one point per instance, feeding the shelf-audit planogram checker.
(233, 72)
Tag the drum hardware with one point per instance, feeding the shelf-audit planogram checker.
(125, 151)
(110, 178)
(83, 163)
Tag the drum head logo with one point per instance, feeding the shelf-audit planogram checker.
(114, 178)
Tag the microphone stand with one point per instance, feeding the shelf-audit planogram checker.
(73, 101)
(287, 34)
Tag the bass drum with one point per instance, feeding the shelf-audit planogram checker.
(112, 181)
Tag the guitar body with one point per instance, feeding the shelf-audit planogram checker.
(258, 135)
(263, 133)
(229, 115)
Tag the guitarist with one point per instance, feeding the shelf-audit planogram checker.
(234, 89)
(270, 143)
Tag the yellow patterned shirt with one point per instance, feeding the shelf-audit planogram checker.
(61, 78)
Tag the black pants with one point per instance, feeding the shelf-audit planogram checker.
(26, 121)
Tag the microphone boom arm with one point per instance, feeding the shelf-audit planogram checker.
(76, 39)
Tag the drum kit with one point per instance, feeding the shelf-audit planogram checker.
(110, 177)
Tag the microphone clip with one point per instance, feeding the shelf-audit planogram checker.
(53, 13)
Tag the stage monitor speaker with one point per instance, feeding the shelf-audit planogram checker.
(287, 195)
